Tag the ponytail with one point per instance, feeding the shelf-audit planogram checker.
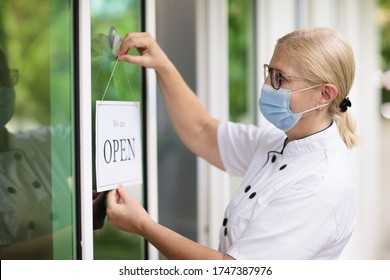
(347, 129)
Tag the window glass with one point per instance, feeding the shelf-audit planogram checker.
(242, 72)
(37, 216)
(384, 27)
(126, 85)
(242, 80)
(177, 166)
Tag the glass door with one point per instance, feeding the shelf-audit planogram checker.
(37, 151)
(109, 17)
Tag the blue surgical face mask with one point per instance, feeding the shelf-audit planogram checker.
(275, 106)
(7, 105)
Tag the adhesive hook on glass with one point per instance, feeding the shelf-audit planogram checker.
(114, 40)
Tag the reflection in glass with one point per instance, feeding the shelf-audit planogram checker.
(125, 16)
(36, 135)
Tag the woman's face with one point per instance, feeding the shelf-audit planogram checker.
(301, 101)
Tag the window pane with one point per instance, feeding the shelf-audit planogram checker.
(242, 80)
(36, 142)
(242, 77)
(125, 16)
(177, 166)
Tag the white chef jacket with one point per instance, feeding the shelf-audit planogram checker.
(27, 176)
(296, 201)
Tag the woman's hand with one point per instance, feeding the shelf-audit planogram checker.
(124, 212)
(150, 54)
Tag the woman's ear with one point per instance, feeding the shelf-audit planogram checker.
(328, 93)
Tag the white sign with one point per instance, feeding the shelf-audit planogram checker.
(118, 144)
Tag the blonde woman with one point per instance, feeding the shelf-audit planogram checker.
(298, 197)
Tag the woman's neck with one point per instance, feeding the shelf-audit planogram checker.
(3, 139)
(305, 129)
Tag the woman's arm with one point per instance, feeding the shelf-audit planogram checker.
(127, 214)
(194, 125)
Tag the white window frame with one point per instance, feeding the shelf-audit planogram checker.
(85, 121)
(212, 89)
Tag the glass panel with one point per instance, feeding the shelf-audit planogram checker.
(126, 85)
(242, 82)
(242, 72)
(177, 166)
(384, 27)
(36, 140)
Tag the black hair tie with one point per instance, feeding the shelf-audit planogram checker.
(345, 104)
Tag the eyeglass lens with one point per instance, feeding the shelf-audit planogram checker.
(274, 76)
(9, 78)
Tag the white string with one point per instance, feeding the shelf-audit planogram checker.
(112, 74)
(128, 82)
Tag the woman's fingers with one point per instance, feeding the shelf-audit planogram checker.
(139, 41)
(111, 198)
(150, 54)
(121, 195)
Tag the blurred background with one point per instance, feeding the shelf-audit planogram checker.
(384, 29)
(252, 30)
(219, 47)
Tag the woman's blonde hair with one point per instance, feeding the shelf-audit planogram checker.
(324, 56)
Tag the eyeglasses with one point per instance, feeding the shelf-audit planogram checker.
(9, 77)
(277, 77)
